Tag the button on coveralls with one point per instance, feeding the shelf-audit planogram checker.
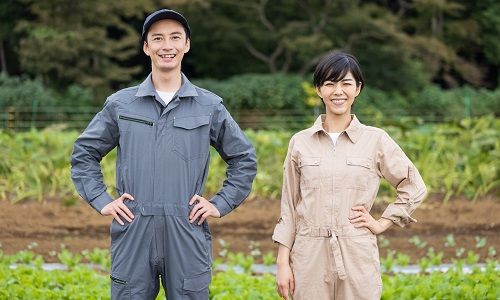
(162, 161)
(330, 258)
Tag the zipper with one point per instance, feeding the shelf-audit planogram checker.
(136, 120)
(116, 280)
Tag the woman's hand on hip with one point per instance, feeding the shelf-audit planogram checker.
(362, 218)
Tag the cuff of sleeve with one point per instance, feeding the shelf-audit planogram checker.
(398, 215)
(284, 235)
(221, 204)
(100, 201)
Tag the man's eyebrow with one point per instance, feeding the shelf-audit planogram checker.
(175, 32)
(347, 79)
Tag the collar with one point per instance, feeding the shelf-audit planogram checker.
(146, 88)
(353, 131)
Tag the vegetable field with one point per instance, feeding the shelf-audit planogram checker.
(43, 220)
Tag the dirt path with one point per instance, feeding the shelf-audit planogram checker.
(79, 227)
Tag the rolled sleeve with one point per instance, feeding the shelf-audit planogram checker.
(284, 232)
(402, 174)
(237, 151)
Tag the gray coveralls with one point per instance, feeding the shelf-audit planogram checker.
(162, 161)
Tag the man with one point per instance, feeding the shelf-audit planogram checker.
(163, 130)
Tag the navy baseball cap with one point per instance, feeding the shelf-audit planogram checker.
(161, 15)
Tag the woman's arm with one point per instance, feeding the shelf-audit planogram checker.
(284, 275)
(284, 232)
(393, 164)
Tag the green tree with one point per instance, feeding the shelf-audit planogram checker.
(258, 35)
(10, 12)
(489, 20)
(291, 36)
(83, 42)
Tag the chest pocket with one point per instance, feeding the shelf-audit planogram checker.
(135, 132)
(358, 172)
(191, 137)
(310, 174)
(133, 123)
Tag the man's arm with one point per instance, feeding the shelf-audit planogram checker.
(239, 154)
(100, 137)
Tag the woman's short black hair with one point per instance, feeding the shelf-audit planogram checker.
(334, 66)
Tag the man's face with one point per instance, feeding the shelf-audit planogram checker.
(166, 43)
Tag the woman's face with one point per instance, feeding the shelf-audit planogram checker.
(339, 96)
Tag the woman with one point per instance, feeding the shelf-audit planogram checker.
(326, 235)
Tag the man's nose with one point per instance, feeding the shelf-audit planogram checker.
(167, 44)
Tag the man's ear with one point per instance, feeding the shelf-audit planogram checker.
(188, 45)
(145, 48)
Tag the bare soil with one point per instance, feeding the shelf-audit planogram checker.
(51, 224)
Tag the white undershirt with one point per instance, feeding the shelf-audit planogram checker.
(334, 136)
(166, 97)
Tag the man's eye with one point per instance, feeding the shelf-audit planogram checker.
(156, 38)
(176, 37)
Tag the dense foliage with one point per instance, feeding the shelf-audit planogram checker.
(456, 159)
(403, 45)
(264, 101)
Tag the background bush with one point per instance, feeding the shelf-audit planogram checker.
(279, 96)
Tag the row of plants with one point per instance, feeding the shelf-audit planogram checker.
(274, 92)
(85, 275)
(455, 159)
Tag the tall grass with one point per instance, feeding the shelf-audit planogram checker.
(455, 159)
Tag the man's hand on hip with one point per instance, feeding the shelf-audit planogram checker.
(203, 209)
(117, 209)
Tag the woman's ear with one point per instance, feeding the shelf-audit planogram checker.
(358, 88)
(318, 91)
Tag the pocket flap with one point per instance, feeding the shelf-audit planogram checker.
(309, 161)
(198, 283)
(191, 122)
(358, 161)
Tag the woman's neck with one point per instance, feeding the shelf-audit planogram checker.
(336, 123)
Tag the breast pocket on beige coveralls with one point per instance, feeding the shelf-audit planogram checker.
(309, 208)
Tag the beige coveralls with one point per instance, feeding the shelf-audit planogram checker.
(330, 258)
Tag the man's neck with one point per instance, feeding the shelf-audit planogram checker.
(167, 81)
